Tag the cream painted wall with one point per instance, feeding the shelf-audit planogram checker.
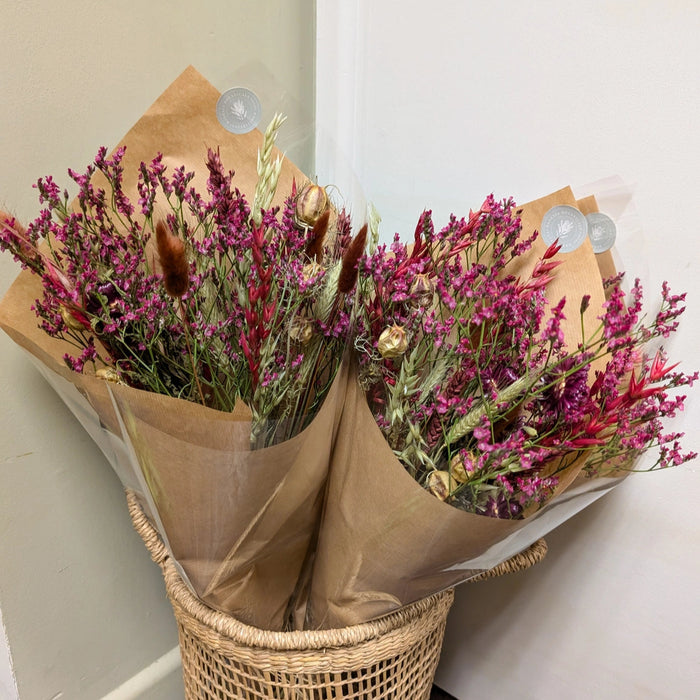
(82, 604)
(437, 104)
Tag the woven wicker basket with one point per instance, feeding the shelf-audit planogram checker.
(393, 657)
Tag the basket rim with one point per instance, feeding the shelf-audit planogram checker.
(530, 556)
(423, 614)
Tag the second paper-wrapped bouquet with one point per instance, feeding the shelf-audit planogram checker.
(321, 428)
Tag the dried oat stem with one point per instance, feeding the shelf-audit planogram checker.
(466, 424)
(268, 170)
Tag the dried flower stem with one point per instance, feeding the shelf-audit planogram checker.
(187, 332)
(176, 280)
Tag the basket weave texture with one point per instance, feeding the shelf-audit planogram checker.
(393, 657)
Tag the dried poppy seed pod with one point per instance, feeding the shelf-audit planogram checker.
(109, 374)
(439, 484)
(310, 271)
(301, 330)
(392, 342)
(422, 289)
(457, 470)
(311, 204)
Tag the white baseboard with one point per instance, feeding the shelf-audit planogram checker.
(137, 687)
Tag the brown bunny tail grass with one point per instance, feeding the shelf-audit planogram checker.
(173, 260)
(348, 272)
(314, 248)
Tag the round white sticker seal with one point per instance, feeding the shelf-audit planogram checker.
(238, 110)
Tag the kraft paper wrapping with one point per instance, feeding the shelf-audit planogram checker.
(239, 523)
(384, 540)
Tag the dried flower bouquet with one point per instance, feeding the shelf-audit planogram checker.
(475, 386)
(215, 301)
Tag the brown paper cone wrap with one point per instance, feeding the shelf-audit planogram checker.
(384, 541)
(238, 522)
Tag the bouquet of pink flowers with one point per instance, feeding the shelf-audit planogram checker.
(211, 303)
(321, 427)
(471, 380)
